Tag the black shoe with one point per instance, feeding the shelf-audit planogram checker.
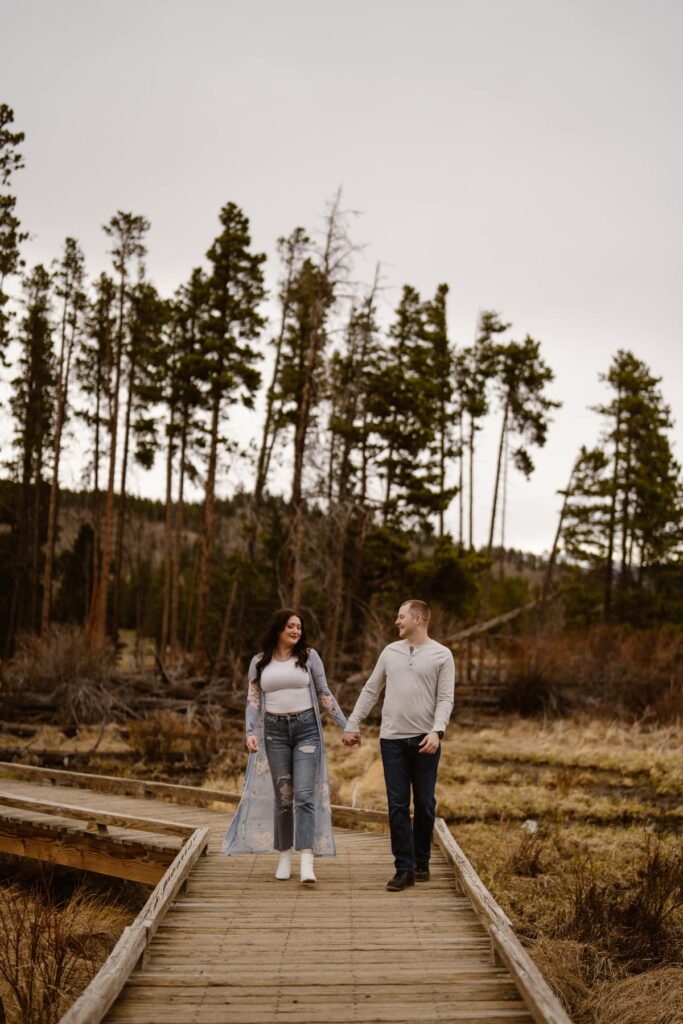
(422, 871)
(401, 880)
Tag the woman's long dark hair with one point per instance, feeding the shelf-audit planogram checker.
(276, 624)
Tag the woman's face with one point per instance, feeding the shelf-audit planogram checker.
(292, 631)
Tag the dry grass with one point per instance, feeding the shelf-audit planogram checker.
(596, 890)
(562, 770)
(106, 740)
(51, 948)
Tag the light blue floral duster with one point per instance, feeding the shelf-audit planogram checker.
(252, 828)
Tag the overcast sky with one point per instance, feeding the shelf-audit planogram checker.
(527, 152)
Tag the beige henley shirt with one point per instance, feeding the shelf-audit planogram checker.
(419, 681)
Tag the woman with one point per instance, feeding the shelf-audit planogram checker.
(286, 797)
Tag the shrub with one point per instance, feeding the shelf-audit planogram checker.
(162, 734)
(635, 674)
(529, 856)
(634, 919)
(63, 669)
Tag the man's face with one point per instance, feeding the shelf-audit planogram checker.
(406, 620)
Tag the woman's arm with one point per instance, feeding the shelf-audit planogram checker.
(253, 709)
(326, 699)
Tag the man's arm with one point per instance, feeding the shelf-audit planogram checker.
(445, 693)
(368, 696)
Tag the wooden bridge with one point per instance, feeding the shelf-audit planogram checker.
(220, 940)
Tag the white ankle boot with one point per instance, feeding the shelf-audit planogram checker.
(284, 865)
(307, 872)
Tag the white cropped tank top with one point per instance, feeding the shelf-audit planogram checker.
(286, 687)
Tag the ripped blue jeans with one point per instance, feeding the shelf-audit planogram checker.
(293, 751)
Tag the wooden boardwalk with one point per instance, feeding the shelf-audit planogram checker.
(242, 948)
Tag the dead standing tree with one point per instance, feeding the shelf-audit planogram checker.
(314, 294)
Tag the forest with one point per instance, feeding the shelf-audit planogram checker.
(374, 431)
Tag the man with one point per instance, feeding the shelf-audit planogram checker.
(419, 676)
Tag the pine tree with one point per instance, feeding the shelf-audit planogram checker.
(347, 486)
(403, 403)
(94, 368)
(147, 314)
(11, 235)
(521, 376)
(70, 291)
(185, 429)
(302, 386)
(233, 322)
(644, 493)
(127, 231)
(475, 367)
(439, 372)
(292, 251)
(32, 407)
(623, 516)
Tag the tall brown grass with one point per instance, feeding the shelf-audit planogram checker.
(612, 668)
(50, 948)
(634, 918)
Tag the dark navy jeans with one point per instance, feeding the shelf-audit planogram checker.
(405, 768)
(293, 751)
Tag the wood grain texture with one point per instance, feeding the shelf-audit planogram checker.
(60, 841)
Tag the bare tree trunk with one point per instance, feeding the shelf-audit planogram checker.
(269, 432)
(471, 485)
(461, 483)
(609, 564)
(225, 630)
(168, 544)
(191, 594)
(177, 543)
(97, 623)
(121, 510)
(496, 486)
(339, 525)
(503, 510)
(201, 635)
(558, 535)
(63, 369)
(35, 573)
(97, 511)
(625, 520)
(300, 437)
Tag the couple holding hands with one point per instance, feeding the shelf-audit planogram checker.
(286, 798)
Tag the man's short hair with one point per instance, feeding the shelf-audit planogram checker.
(418, 608)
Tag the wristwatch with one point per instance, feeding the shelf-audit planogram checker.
(439, 733)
